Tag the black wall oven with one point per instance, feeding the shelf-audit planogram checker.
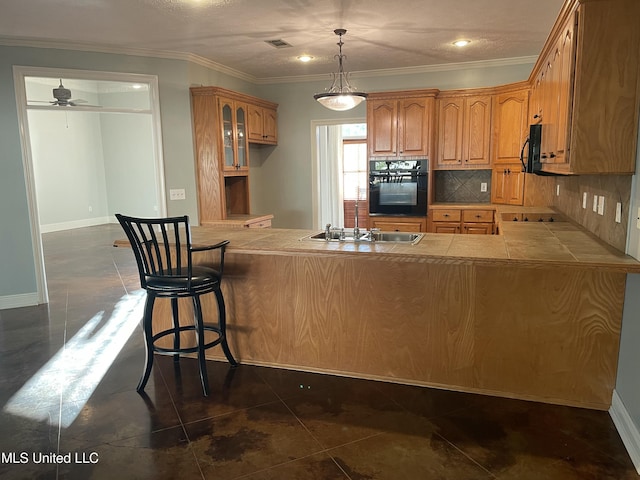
(398, 187)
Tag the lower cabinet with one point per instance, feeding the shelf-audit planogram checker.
(507, 185)
(479, 222)
(399, 224)
(446, 221)
(461, 220)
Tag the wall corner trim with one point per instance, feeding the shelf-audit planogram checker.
(627, 430)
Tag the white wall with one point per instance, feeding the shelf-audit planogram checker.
(129, 164)
(68, 168)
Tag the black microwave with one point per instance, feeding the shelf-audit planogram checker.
(398, 187)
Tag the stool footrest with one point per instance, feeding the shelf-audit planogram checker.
(186, 328)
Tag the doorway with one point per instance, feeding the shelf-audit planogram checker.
(340, 173)
(91, 144)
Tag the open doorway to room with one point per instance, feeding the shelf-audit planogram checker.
(340, 173)
(91, 145)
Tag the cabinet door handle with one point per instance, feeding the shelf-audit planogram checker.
(552, 155)
(446, 215)
(508, 171)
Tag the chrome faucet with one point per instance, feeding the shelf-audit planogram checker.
(327, 232)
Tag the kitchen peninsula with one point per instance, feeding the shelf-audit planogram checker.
(533, 313)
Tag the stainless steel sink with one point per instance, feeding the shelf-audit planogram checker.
(336, 236)
(397, 237)
(381, 237)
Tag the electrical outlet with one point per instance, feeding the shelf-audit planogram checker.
(584, 200)
(90, 209)
(618, 212)
(595, 203)
(483, 187)
(177, 194)
(600, 205)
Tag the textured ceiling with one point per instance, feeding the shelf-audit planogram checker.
(381, 34)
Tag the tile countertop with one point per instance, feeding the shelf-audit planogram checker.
(530, 244)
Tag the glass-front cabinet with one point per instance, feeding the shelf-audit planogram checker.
(234, 135)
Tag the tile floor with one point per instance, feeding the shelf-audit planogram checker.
(68, 372)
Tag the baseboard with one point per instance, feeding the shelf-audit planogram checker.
(87, 222)
(626, 428)
(17, 301)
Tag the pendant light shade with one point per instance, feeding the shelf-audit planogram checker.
(341, 95)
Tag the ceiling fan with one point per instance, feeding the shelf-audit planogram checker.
(63, 98)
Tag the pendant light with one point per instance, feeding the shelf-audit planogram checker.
(341, 96)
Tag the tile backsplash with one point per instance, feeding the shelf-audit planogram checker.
(615, 188)
(462, 186)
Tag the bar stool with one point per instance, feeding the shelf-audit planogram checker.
(163, 252)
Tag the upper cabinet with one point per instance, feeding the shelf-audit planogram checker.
(263, 125)
(399, 124)
(510, 125)
(222, 134)
(585, 89)
(464, 131)
(235, 146)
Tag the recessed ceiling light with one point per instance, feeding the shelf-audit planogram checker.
(305, 58)
(461, 43)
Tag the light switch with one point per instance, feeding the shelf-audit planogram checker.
(595, 203)
(618, 212)
(584, 200)
(600, 205)
(483, 187)
(558, 190)
(177, 194)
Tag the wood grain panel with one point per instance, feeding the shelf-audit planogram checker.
(210, 195)
(557, 341)
(533, 333)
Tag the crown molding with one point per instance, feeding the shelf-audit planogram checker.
(421, 69)
(141, 52)
(189, 57)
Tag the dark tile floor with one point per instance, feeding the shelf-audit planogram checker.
(68, 372)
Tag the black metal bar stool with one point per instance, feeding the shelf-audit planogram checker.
(163, 252)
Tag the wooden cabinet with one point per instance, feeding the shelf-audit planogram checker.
(507, 184)
(510, 130)
(477, 222)
(462, 220)
(221, 142)
(510, 126)
(399, 124)
(550, 99)
(235, 145)
(464, 131)
(585, 89)
(398, 224)
(446, 220)
(262, 125)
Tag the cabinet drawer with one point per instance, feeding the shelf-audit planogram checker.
(445, 215)
(485, 216)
